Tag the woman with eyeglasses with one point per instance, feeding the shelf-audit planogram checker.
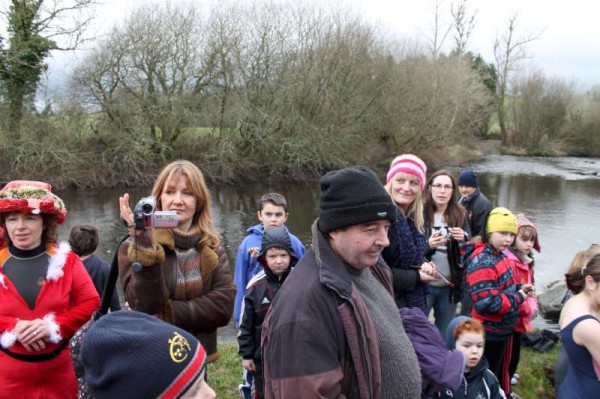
(445, 227)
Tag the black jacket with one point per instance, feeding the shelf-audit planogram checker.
(260, 293)
(477, 207)
(478, 383)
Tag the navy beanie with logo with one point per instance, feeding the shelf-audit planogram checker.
(468, 178)
(128, 354)
(353, 196)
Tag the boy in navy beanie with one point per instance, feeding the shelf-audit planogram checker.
(128, 354)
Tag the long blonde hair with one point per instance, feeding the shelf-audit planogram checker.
(196, 183)
(415, 210)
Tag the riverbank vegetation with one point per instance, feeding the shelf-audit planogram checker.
(274, 91)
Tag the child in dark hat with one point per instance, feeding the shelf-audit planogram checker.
(128, 354)
(277, 258)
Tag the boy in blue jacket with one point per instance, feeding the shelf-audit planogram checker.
(272, 213)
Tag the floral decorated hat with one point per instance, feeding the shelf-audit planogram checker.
(33, 197)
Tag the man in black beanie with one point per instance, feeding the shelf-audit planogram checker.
(333, 329)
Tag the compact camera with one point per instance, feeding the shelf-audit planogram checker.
(145, 217)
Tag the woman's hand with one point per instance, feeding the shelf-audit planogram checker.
(32, 334)
(457, 233)
(428, 272)
(437, 240)
(127, 215)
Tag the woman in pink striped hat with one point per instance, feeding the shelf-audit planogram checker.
(405, 255)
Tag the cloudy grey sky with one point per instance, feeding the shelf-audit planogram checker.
(568, 46)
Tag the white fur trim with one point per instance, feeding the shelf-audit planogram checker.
(55, 336)
(57, 262)
(2, 283)
(8, 338)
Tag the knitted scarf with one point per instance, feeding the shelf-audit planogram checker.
(412, 253)
(189, 279)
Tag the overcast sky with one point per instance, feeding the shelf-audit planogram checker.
(568, 46)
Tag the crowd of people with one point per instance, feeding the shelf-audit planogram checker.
(410, 288)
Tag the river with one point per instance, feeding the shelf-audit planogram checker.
(560, 195)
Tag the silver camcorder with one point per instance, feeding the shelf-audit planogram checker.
(145, 217)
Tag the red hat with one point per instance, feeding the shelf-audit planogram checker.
(32, 197)
(523, 221)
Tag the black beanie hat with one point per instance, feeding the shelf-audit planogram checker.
(128, 354)
(353, 196)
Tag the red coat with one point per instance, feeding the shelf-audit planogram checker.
(67, 299)
(522, 274)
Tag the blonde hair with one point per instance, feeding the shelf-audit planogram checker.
(196, 183)
(415, 210)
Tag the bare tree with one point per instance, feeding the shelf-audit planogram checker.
(510, 49)
(464, 23)
(439, 30)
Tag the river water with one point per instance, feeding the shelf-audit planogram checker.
(560, 195)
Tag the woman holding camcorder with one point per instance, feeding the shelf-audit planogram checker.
(181, 274)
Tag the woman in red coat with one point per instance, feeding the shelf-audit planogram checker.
(45, 295)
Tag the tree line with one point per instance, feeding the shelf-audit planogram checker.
(267, 90)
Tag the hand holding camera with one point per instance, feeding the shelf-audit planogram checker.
(144, 216)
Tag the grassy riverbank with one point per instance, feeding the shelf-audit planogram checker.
(535, 369)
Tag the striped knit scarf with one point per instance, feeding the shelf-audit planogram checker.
(189, 279)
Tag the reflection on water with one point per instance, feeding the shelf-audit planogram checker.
(560, 195)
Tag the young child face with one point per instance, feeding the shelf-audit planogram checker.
(278, 260)
(272, 215)
(471, 344)
(524, 245)
(501, 240)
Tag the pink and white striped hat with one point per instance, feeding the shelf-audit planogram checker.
(408, 163)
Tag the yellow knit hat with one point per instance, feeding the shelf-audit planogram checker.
(502, 220)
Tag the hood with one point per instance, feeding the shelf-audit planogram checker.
(256, 229)
(450, 342)
(276, 237)
(523, 221)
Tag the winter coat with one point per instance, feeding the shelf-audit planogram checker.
(404, 255)
(67, 300)
(335, 349)
(99, 270)
(454, 260)
(152, 289)
(440, 368)
(247, 265)
(522, 274)
(260, 294)
(493, 290)
(477, 206)
(479, 383)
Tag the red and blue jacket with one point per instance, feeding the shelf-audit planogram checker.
(492, 287)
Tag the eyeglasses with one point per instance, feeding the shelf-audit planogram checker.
(439, 186)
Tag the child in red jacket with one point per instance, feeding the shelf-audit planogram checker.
(520, 256)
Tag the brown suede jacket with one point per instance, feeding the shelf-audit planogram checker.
(152, 289)
(318, 339)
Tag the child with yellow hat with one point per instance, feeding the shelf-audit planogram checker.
(495, 294)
